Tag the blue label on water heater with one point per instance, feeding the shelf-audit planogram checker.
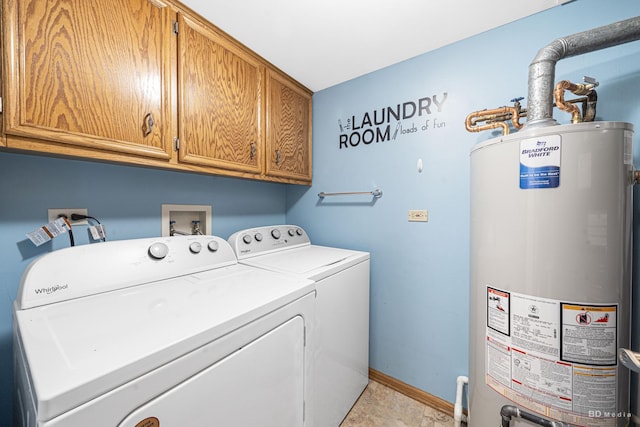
(540, 162)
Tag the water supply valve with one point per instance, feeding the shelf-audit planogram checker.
(195, 227)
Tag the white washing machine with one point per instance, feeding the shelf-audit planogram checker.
(160, 332)
(341, 364)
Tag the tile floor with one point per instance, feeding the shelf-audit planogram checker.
(380, 406)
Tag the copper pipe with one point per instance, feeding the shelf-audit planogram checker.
(558, 94)
(588, 106)
(576, 89)
(521, 113)
(495, 118)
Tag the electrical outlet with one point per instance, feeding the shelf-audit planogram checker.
(418, 215)
(56, 213)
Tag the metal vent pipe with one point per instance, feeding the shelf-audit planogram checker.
(543, 67)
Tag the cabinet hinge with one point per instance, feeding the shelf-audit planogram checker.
(175, 27)
(0, 104)
(176, 143)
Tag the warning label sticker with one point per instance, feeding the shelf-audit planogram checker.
(498, 310)
(589, 334)
(540, 162)
(553, 357)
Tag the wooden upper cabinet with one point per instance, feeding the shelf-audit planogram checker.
(94, 74)
(3, 140)
(288, 128)
(219, 100)
(116, 80)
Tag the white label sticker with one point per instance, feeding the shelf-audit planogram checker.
(535, 325)
(39, 236)
(552, 357)
(47, 232)
(628, 147)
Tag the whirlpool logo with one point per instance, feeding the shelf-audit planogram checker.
(50, 290)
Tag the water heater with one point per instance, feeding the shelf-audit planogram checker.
(551, 274)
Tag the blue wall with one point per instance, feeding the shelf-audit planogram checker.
(420, 274)
(127, 200)
(419, 293)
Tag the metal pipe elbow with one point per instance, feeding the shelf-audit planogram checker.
(542, 68)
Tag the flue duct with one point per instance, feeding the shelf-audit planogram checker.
(542, 68)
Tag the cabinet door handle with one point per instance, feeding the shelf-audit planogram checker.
(147, 124)
(278, 157)
(253, 151)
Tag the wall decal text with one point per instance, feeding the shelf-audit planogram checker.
(388, 123)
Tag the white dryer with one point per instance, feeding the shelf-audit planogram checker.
(167, 332)
(341, 364)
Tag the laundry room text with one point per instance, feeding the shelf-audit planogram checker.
(388, 123)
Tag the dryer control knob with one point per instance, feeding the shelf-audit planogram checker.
(158, 250)
(246, 238)
(258, 237)
(299, 231)
(213, 246)
(275, 233)
(292, 232)
(195, 247)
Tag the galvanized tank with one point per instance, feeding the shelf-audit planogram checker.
(551, 274)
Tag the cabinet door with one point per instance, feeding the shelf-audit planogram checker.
(288, 128)
(90, 73)
(220, 90)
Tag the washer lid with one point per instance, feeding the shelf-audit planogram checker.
(79, 349)
(85, 270)
(313, 262)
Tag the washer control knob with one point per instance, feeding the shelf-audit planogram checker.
(158, 250)
(213, 246)
(275, 233)
(246, 238)
(195, 247)
(299, 231)
(292, 232)
(258, 237)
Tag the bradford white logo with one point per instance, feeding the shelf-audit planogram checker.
(51, 289)
(540, 150)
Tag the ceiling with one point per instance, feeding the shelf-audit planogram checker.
(322, 43)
